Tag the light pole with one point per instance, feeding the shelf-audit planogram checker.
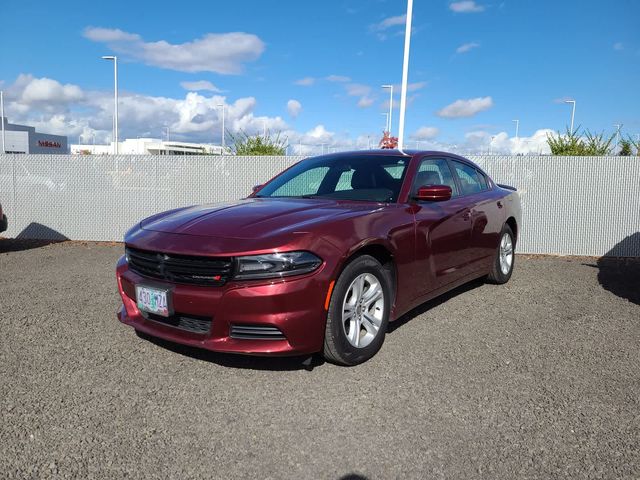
(573, 112)
(405, 74)
(390, 87)
(115, 100)
(386, 124)
(491, 144)
(517, 127)
(223, 109)
(2, 119)
(617, 125)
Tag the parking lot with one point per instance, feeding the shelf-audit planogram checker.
(539, 378)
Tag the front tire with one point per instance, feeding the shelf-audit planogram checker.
(505, 258)
(358, 312)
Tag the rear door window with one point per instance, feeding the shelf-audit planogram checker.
(469, 178)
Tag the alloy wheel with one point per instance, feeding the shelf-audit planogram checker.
(506, 254)
(363, 310)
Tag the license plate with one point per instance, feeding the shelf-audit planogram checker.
(153, 300)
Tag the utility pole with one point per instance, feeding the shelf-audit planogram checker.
(617, 125)
(222, 141)
(573, 112)
(386, 123)
(115, 101)
(517, 127)
(390, 87)
(2, 118)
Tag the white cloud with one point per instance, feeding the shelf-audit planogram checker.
(294, 107)
(411, 87)
(338, 78)
(466, 47)
(425, 133)
(365, 102)
(466, 108)
(466, 6)
(197, 118)
(483, 142)
(389, 22)
(618, 46)
(381, 28)
(362, 91)
(69, 110)
(223, 53)
(104, 35)
(44, 91)
(305, 82)
(358, 90)
(200, 86)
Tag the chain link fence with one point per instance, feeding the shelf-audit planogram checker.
(571, 205)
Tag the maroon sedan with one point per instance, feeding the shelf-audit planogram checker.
(320, 258)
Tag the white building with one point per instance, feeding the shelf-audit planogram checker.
(149, 146)
(25, 139)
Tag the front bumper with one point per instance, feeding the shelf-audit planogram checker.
(294, 306)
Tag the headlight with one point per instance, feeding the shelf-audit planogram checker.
(274, 265)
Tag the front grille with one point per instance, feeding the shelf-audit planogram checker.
(210, 271)
(189, 323)
(255, 332)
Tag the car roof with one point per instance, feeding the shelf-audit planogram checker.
(408, 153)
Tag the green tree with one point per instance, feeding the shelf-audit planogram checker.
(244, 144)
(576, 144)
(625, 148)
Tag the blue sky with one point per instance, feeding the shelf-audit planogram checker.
(313, 70)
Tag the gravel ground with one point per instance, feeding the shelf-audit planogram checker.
(539, 378)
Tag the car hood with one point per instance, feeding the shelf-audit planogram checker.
(255, 217)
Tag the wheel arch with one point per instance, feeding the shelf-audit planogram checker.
(379, 250)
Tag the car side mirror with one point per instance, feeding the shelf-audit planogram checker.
(434, 193)
(256, 188)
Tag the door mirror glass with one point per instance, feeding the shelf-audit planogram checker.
(433, 193)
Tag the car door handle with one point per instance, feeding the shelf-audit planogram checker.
(499, 204)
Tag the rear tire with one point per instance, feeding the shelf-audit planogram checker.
(358, 312)
(505, 258)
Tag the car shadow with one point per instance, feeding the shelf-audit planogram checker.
(619, 271)
(34, 235)
(308, 362)
(424, 307)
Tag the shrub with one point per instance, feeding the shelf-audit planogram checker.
(625, 148)
(244, 144)
(572, 143)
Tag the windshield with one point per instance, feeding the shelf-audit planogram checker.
(374, 178)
